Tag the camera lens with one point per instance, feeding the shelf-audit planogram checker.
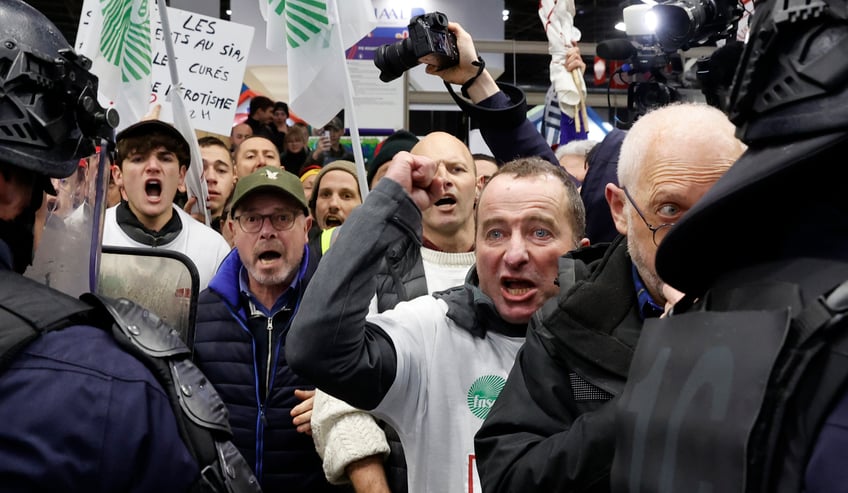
(394, 59)
(681, 23)
(651, 95)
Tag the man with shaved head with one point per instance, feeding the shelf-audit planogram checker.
(449, 223)
(448, 228)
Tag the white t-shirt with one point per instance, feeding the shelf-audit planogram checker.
(446, 382)
(200, 243)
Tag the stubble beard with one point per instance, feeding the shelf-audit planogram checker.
(274, 278)
(639, 258)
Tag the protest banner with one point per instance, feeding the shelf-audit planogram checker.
(211, 57)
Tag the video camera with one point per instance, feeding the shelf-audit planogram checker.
(654, 36)
(429, 40)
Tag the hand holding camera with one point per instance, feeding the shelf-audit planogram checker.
(463, 70)
(445, 47)
(429, 42)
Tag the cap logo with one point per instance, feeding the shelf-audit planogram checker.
(271, 175)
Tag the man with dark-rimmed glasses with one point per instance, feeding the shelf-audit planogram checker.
(241, 323)
(581, 344)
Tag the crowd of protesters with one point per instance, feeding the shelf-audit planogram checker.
(473, 324)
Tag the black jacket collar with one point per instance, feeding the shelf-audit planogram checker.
(135, 230)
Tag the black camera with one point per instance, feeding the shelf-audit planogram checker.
(654, 75)
(655, 81)
(429, 41)
(682, 24)
(654, 36)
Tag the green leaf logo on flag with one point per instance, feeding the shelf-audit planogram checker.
(304, 19)
(125, 39)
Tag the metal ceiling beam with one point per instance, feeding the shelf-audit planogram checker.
(534, 98)
(541, 48)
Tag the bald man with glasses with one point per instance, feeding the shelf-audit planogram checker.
(552, 428)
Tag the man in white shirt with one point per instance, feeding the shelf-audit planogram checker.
(433, 366)
(151, 164)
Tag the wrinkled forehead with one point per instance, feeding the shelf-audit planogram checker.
(542, 191)
(700, 163)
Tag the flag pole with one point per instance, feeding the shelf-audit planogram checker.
(195, 185)
(350, 110)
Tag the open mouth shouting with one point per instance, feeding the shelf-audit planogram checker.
(268, 257)
(332, 220)
(517, 289)
(447, 200)
(153, 189)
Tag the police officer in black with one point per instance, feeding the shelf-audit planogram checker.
(745, 386)
(85, 404)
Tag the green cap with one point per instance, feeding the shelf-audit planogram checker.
(271, 179)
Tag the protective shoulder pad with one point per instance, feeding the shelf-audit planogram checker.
(159, 344)
(198, 398)
(141, 326)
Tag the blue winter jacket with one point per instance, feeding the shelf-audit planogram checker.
(231, 349)
(77, 413)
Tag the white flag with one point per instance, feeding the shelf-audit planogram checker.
(117, 36)
(273, 11)
(316, 43)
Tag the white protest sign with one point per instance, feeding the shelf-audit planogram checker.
(211, 57)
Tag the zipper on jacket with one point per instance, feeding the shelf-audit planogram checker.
(260, 442)
(268, 368)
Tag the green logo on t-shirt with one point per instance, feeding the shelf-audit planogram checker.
(483, 393)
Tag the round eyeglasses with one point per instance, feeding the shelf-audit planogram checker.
(252, 223)
(658, 232)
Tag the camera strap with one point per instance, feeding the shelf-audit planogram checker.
(481, 65)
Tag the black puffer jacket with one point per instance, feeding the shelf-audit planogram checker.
(401, 275)
(552, 427)
(231, 355)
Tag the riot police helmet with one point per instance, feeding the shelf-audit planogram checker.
(49, 114)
